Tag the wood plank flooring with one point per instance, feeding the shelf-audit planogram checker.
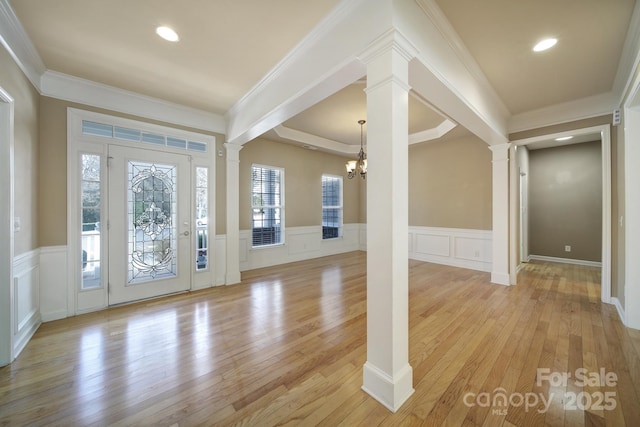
(287, 346)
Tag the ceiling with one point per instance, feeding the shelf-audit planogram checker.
(227, 46)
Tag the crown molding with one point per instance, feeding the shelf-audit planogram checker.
(585, 108)
(629, 59)
(316, 141)
(299, 51)
(430, 134)
(451, 78)
(65, 87)
(343, 148)
(442, 24)
(74, 89)
(15, 39)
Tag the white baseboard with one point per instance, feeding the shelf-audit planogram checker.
(500, 278)
(565, 260)
(616, 302)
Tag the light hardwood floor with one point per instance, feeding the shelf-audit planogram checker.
(287, 346)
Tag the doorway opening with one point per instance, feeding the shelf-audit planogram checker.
(519, 210)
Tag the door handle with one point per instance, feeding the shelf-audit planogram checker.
(186, 233)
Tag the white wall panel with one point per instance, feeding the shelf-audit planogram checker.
(26, 301)
(452, 246)
(301, 243)
(431, 244)
(53, 283)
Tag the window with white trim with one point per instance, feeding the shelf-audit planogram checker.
(91, 211)
(331, 207)
(267, 205)
(202, 217)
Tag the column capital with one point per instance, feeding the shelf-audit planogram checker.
(390, 40)
(500, 152)
(233, 151)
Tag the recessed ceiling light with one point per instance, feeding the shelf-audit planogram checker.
(167, 34)
(564, 138)
(545, 44)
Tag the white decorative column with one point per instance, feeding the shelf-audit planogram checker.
(387, 375)
(500, 214)
(232, 269)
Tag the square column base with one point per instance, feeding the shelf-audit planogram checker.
(391, 392)
(500, 278)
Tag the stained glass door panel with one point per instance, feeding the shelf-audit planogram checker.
(149, 224)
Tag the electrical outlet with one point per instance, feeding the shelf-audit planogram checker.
(567, 248)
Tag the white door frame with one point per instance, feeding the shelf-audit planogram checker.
(81, 301)
(524, 215)
(630, 221)
(6, 230)
(605, 138)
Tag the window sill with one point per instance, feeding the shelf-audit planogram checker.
(275, 245)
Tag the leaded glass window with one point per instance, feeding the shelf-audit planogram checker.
(152, 208)
(331, 207)
(267, 205)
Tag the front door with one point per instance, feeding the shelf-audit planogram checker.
(149, 224)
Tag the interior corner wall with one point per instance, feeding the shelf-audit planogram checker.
(26, 114)
(450, 184)
(565, 201)
(53, 165)
(303, 182)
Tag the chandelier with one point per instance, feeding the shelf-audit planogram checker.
(358, 166)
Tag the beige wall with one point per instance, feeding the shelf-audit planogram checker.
(303, 185)
(617, 186)
(565, 201)
(53, 166)
(450, 184)
(26, 113)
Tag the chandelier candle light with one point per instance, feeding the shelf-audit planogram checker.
(358, 166)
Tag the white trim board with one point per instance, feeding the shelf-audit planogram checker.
(623, 317)
(6, 225)
(565, 260)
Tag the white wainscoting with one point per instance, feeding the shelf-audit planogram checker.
(301, 243)
(26, 299)
(452, 246)
(53, 283)
(220, 255)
